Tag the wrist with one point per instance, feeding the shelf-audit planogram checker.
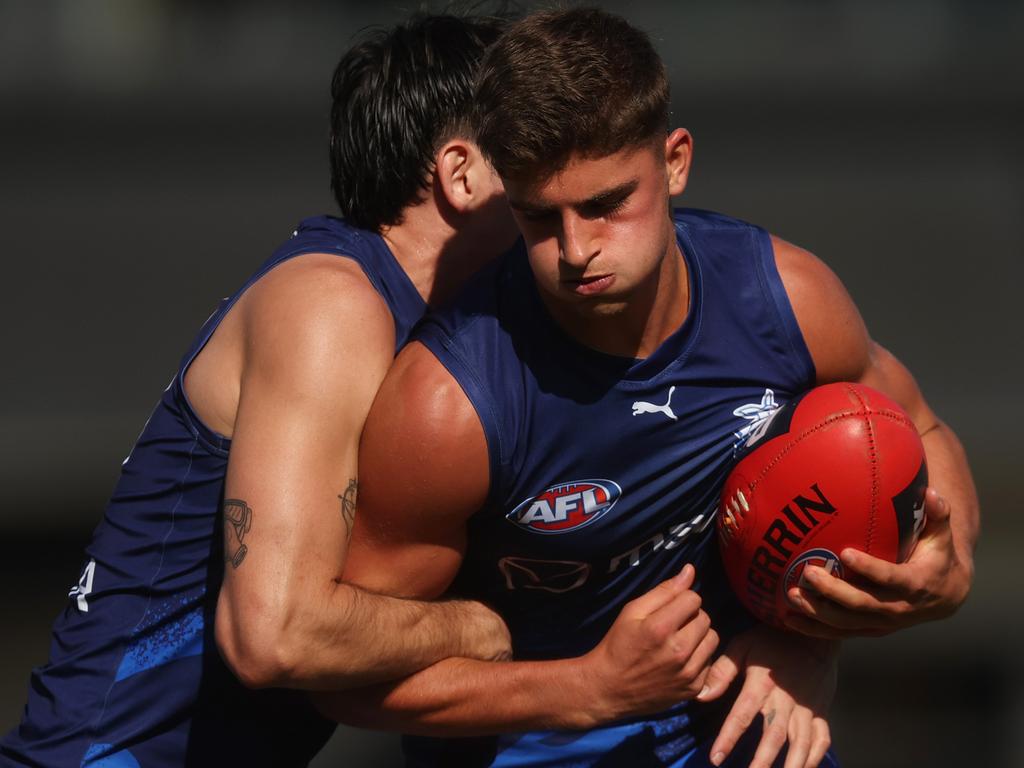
(963, 578)
(597, 703)
(482, 633)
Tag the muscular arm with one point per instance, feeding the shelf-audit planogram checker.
(935, 581)
(425, 471)
(317, 340)
(931, 584)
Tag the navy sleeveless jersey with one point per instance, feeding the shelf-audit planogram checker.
(605, 471)
(134, 677)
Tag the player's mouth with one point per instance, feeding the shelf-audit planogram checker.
(590, 286)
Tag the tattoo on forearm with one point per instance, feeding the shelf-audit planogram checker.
(769, 717)
(237, 523)
(348, 506)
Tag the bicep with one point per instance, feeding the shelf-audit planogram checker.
(836, 337)
(315, 355)
(423, 472)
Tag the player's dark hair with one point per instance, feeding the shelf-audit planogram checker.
(577, 81)
(398, 95)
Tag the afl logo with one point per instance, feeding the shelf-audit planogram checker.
(823, 558)
(566, 507)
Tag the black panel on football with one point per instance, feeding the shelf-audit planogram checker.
(904, 505)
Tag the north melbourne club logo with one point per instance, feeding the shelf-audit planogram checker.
(918, 513)
(566, 506)
(759, 415)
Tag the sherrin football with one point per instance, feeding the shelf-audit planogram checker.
(840, 466)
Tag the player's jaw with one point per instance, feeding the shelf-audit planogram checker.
(598, 233)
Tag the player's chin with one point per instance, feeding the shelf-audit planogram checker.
(604, 306)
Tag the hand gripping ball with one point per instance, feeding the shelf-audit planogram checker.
(840, 466)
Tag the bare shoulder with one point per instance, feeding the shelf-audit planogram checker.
(307, 322)
(422, 415)
(312, 318)
(829, 320)
(835, 334)
(315, 296)
(424, 446)
(423, 471)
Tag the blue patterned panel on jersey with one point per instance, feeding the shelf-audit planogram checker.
(134, 676)
(605, 471)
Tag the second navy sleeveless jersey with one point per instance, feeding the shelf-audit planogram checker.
(605, 471)
(134, 677)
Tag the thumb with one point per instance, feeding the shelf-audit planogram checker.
(936, 508)
(935, 525)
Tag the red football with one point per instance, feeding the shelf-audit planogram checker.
(840, 466)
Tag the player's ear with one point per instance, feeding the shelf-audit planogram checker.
(466, 180)
(678, 153)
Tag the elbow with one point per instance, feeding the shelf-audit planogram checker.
(256, 653)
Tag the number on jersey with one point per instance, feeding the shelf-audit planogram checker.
(84, 587)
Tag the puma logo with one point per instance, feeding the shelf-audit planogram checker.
(641, 407)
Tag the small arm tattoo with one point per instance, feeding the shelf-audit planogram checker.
(237, 523)
(348, 505)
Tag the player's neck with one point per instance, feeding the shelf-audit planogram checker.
(637, 326)
(438, 257)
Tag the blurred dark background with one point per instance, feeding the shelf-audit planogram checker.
(152, 153)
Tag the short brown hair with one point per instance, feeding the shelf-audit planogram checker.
(559, 83)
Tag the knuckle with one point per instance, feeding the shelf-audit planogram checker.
(657, 629)
(691, 602)
(916, 583)
(743, 716)
(891, 577)
(776, 733)
(629, 612)
(900, 608)
(695, 684)
(680, 656)
(703, 623)
(666, 588)
(693, 669)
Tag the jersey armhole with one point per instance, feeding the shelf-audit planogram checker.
(447, 353)
(775, 292)
(214, 440)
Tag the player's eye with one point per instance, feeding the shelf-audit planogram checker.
(604, 209)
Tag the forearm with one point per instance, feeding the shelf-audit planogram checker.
(655, 654)
(462, 697)
(949, 473)
(378, 638)
(351, 638)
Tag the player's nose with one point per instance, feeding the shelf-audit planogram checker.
(578, 243)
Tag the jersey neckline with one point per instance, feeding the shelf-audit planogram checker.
(636, 371)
